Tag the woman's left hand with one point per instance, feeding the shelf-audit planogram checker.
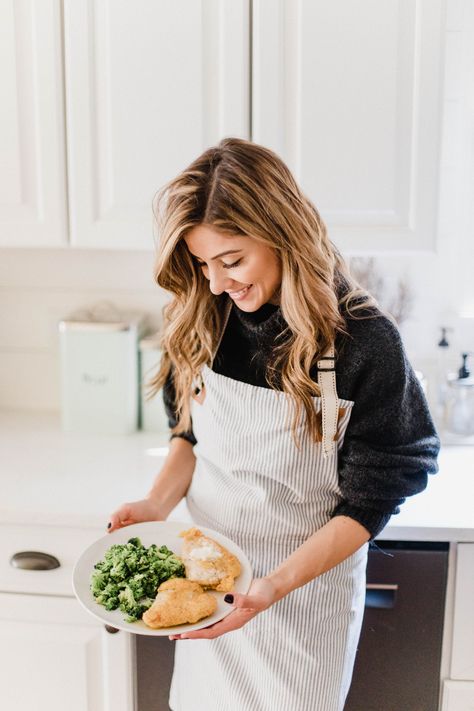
(261, 595)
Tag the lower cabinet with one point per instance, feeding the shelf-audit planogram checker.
(458, 691)
(55, 656)
(458, 696)
(462, 658)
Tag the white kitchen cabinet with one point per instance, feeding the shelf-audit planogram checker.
(350, 95)
(458, 696)
(53, 654)
(123, 94)
(462, 658)
(33, 176)
(149, 86)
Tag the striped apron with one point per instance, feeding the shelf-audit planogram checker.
(253, 484)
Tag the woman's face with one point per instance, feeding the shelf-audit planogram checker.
(249, 271)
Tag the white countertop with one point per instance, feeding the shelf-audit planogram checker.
(54, 478)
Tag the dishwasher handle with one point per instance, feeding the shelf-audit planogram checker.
(34, 560)
(381, 595)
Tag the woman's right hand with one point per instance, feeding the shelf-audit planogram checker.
(134, 512)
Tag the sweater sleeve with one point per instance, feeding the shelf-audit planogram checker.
(391, 444)
(169, 399)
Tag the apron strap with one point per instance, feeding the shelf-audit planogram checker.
(329, 400)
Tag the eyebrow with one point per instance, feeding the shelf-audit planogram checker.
(222, 254)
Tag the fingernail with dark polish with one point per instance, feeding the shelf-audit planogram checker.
(109, 524)
(229, 599)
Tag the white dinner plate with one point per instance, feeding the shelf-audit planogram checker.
(162, 533)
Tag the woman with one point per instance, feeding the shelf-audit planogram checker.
(306, 429)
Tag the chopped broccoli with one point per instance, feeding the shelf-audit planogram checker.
(130, 574)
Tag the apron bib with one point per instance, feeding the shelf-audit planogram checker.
(254, 485)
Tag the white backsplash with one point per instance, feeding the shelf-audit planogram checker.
(41, 287)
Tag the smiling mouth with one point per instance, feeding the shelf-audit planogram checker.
(240, 293)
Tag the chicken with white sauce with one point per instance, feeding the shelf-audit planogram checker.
(207, 562)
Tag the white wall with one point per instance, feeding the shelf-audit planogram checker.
(38, 287)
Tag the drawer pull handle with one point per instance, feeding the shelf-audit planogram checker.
(34, 560)
(381, 595)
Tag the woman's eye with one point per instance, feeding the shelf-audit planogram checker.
(226, 266)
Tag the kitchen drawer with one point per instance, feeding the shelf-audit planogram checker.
(64, 543)
(458, 696)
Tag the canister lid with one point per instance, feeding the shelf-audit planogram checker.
(103, 316)
(93, 326)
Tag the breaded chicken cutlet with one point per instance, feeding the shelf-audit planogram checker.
(207, 562)
(177, 602)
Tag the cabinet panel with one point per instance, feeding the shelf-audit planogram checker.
(54, 656)
(32, 179)
(458, 696)
(350, 95)
(64, 543)
(149, 86)
(462, 659)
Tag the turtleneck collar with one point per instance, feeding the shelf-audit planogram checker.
(260, 320)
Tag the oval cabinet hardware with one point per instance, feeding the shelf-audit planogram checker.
(110, 629)
(34, 560)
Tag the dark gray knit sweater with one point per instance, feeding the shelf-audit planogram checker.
(390, 445)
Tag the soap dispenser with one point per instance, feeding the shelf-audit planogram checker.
(443, 357)
(459, 413)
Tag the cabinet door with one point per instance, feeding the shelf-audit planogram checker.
(348, 93)
(462, 658)
(149, 86)
(458, 696)
(32, 178)
(54, 656)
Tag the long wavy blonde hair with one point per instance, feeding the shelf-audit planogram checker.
(241, 188)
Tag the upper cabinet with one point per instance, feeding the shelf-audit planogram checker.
(106, 100)
(350, 95)
(150, 84)
(134, 90)
(33, 177)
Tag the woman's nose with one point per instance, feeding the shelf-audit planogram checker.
(218, 282)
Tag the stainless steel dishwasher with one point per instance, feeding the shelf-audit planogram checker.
(398, 660)
(399, 654)
(155, 658)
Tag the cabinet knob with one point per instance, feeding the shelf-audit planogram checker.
(34, 560)
(110, 629)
